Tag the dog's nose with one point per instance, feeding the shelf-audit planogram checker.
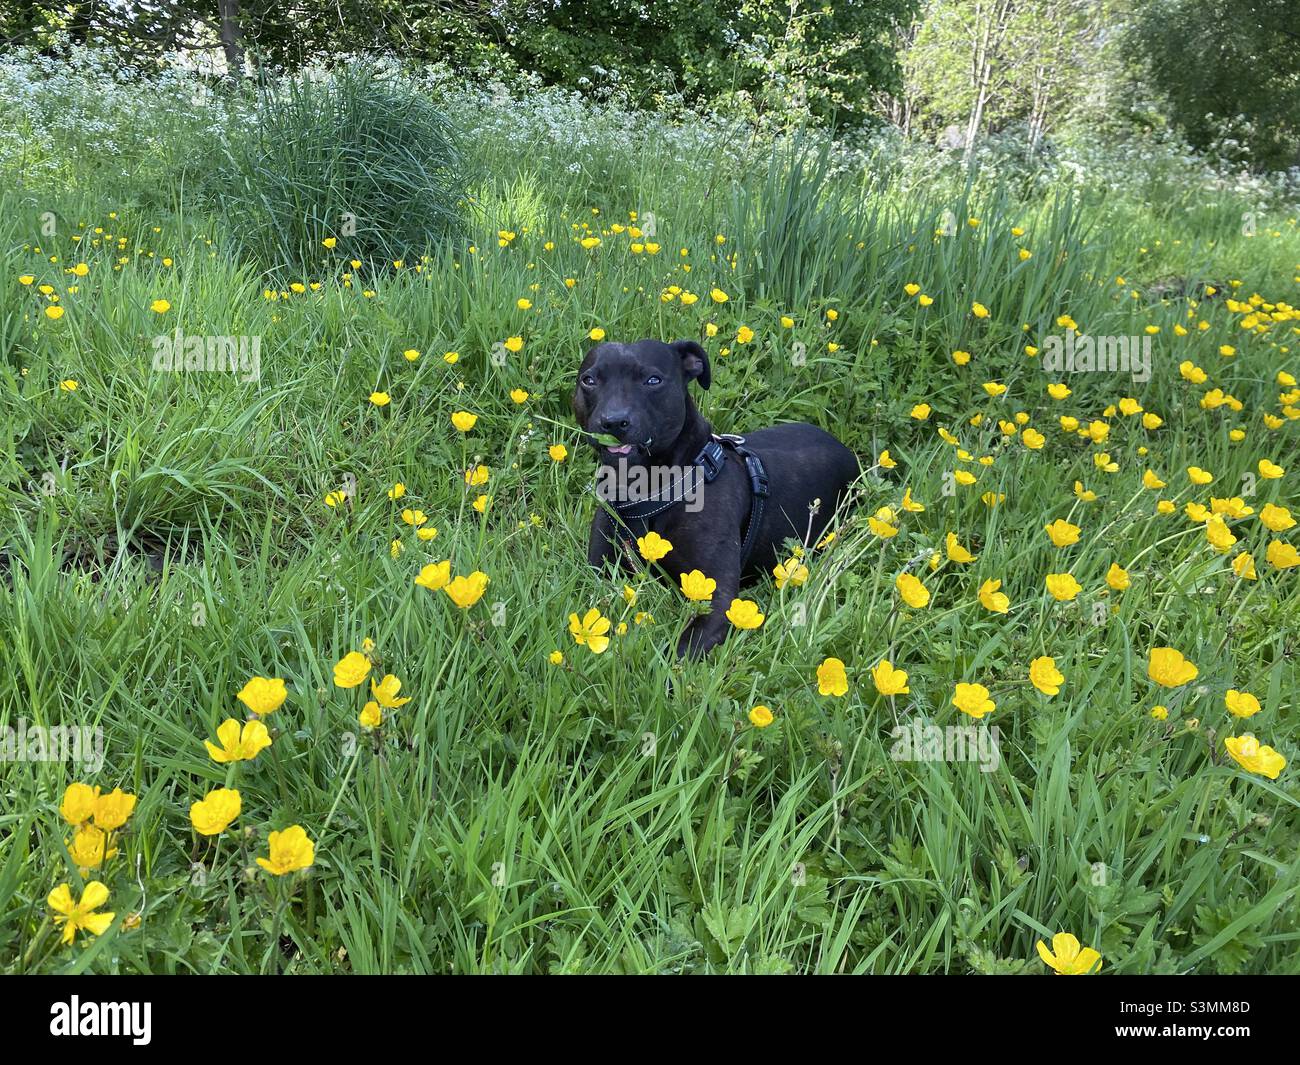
(615, 422)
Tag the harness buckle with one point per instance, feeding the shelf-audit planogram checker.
(757, 475)
(711, 459)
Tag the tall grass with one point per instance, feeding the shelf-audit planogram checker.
(357, 157)
(164, 537)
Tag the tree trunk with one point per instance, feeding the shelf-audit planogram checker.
(232, 37)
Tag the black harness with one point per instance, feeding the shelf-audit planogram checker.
(710, 462)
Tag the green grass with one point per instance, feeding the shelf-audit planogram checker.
(165, 538)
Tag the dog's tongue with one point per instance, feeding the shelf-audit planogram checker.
(622, 449)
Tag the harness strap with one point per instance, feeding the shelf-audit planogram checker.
(709, 463)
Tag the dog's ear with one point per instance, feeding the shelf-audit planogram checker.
(695, 362)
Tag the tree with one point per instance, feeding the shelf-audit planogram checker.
(1212, 64)
(986, 64)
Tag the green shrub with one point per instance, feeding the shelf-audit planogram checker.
(355, 156)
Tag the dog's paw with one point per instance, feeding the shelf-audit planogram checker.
(699, 638)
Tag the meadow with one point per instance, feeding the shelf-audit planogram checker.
(525, 801)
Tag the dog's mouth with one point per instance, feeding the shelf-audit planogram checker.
(611, 445)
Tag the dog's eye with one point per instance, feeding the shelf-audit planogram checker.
(588, 381)
(652, 380)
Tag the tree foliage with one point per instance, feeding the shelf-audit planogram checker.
(1213, 64)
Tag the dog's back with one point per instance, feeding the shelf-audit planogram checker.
(804, 463)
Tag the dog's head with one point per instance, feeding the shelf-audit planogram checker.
(636, 393)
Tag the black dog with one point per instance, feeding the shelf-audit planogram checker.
(726, 504)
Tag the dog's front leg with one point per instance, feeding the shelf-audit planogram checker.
(602, 547)
(605, 547)
(705, 632)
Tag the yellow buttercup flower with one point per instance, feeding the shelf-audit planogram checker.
(792, 572)
(745, 614)
(1270, 471)
(1219, 535)
(697, 587)
(351, 669)
(89, 848)
(957, 553)
(1241, 704)
(591, 631)
(914, 593)
(888, 680)
(371, 716)
(113, 810)
(1062, 586)
(1169, 668)
(1062, 533)
(80, 916)
(1281, 555)
(1254, 757)
(212, 814)
(290, 851)
(238, 744)
(760, 717)
(263, 695)
(832, 679)
(434, 576)
(992, 599)
(464, 420)
(1275, 518)
(1044, 675)
(78, 804)
(558, 452)
(652, 546)
(466, 591)
(385, 692)
(973, 699)
(882, 528)
(1067, 958)
(1117, 577)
